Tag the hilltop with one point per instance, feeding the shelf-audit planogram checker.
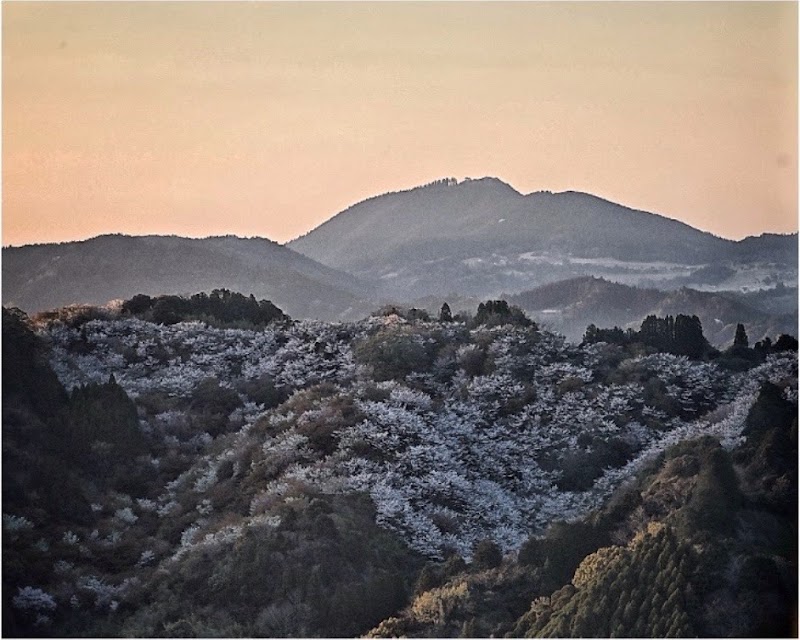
(483, 237)
(45, 276)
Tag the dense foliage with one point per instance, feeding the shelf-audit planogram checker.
(400, 474)
(681, 335)
(686, 549)
(221, 307)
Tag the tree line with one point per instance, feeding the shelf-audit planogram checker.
(683, 335)
(220, 306)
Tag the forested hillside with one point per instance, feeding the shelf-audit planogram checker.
(569, 306)
(482, 237)
(112, 267)
(207, 466)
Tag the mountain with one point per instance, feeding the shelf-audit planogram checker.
(483, 237)
(474, 239)
(767, 247)
(45, 276)
(571, 305)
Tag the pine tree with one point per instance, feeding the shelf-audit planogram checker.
(444, 314)
(740, 340)
(689, 339)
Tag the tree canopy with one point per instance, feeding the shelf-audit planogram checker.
(221, 306)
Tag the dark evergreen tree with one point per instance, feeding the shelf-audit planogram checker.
(689, 339)
(763, 346)
(138, 304)
(498, 312)
(740, 339)
(445, 314)
(590, 335)
(786, 343)
(681, 335)
(612, 336)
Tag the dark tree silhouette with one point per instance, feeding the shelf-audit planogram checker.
(689, 339)
(615, 336)
(445, 314)
(740, 339)
(220, 306)
(498, 312)
(487, 555)
(786, 343)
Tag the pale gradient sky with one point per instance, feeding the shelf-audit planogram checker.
(268, 118)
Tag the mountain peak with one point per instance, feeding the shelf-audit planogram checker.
(486, 182)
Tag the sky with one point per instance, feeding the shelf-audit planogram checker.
(266, 119)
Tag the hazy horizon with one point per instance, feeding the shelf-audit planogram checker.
(288, 241)
(267, 119)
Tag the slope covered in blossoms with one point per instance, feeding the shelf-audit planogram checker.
(451, 453)
(182, 463)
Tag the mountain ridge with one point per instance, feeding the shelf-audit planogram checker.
(498, 181)
(571, 305)
(475, 238)
(94, 271)
(413, 241)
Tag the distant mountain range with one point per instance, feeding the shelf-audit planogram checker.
(467, 241)
(45, 276)
(569, 306)
(483, 237)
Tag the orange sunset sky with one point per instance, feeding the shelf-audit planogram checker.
(268, 118)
